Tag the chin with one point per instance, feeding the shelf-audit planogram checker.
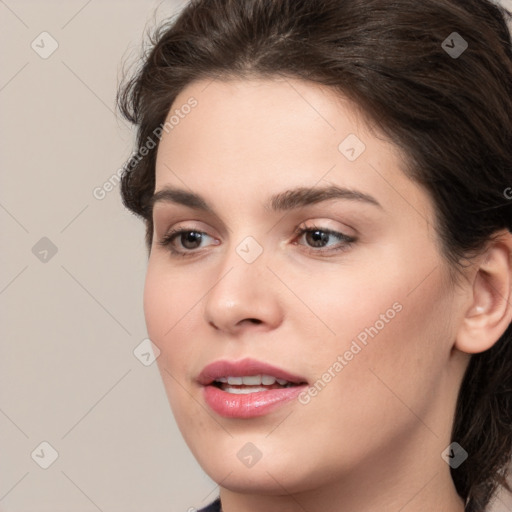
(260, 479)
(279, 467)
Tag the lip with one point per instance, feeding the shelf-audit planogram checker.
(230, 405)
(244, 367)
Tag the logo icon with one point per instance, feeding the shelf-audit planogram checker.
(249, 455)
(454, 45)
(44, 45)
(45, 455)
(352, 147)
(454, 455)
(146, 352)
(44, 250)
(249, 249)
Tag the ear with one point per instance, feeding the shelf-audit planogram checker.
(490, 311)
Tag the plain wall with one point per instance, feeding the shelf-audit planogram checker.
(71, 321)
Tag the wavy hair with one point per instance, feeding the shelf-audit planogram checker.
(449, 112)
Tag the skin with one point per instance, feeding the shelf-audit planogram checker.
(372, 438)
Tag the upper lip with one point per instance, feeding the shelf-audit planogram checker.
(244, 367)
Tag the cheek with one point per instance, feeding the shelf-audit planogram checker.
(401, 363)
(343, 304)
(156, 303)
(167, 299)
(168, 311)
(165, 311)
(388, 324)
(386, 381)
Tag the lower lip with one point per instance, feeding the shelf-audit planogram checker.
(250, 405)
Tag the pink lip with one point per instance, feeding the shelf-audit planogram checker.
(224, 368)
(249, 405)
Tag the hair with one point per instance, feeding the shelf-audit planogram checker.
(451, 116)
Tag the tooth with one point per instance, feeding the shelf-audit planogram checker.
(267, 380)
(252, 380)
(237, 381)
(244, 391)
(222, 379)
(282, 382)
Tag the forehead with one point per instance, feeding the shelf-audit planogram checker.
(271, 120)
(274, 133)
(269, 111)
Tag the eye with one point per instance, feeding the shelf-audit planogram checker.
(189, 238)
(319, 236)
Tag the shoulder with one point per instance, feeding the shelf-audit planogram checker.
(212, 507)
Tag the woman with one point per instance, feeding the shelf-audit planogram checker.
(326, 187)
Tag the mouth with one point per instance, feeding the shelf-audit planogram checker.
(247, 376)
(248, 388)
(251, 384)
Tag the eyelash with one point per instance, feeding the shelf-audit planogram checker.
(168, 238)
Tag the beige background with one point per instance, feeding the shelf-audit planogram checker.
(70, 323)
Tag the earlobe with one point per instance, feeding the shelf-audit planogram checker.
(490, 311)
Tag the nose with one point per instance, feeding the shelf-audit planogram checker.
(243, 296)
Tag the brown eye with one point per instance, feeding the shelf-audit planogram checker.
(317, 238)
(189, 240)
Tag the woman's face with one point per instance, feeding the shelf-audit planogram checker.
(358, 312)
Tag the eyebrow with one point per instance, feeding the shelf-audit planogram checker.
(282, 201)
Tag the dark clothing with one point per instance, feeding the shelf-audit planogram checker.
(212, 507)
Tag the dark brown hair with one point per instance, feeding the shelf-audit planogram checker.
(449, 113)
